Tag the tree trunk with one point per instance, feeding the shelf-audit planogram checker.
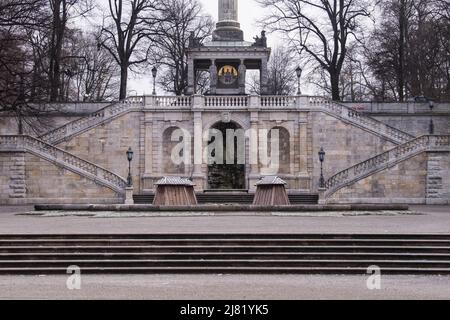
(335, 94)
(123, 82)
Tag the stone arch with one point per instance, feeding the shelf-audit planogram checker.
(169, 166)
(226, 175)
(285, 149)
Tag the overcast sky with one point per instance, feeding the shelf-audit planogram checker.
(249, 13)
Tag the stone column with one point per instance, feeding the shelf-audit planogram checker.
(242, 71)
(148, 163)
(228, 10)
(213, 77)
(264, 77)
(253, 151)
(191, 77)
(197, 174)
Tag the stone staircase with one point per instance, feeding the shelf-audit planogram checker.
(101, 116)
(360, 120)
(63, 159)
(427, 254)
(386, 160)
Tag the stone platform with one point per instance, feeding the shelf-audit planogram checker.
(222, 208)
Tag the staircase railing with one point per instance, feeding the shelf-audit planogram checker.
(64, 159)
(385, 160)
(332, 108)
(348, 114)
(74, 127)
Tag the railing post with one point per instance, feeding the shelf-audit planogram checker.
(198, 102)
(254, 102)
(322, 198)
(302, 102)
(129, 196)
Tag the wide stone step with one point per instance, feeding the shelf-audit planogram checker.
(223, 242)
(223, 256)
(224, 249)
(224, 270)
(225, 253)
(225, 263)
(252, 236)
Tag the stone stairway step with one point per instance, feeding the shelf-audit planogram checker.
(187, 236)
(225, 249)
(225, 253)
(222, 256)
(224, 270)
(226, 263)
(221, 242)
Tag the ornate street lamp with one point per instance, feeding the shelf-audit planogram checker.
(299, 75)
(154, 72)
(322, 159)
(129, 157)
(431, 128)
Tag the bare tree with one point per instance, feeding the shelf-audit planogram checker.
(408, 52)
(129, 24)
(61, 11)
(180, 20)
(320, 28)
(281, 74)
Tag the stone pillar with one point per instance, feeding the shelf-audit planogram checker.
(129, 195)
(303, 147)
(148, 163)
(198, 150)
(242, 72)
(213, 77)
(191, 77)
(264, 77)
(228, 10)
(253, 151)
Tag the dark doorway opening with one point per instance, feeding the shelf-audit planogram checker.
(227, 176)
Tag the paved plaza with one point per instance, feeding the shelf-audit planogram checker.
(224, 287)
(425, 219)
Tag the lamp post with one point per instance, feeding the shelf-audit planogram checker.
(431, 128)
(129, 157)
(154, 73)
(322, 159)
(299, 75)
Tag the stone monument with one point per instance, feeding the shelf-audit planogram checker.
(228, 57)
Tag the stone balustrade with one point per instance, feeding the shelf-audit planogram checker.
(162, 103)
(65, 159)
(384, 160)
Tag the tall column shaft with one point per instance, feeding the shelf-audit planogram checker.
(228, 10)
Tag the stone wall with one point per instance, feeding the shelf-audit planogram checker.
(416, 124)
(345, 145)
(48, 183)
(12, 178)
(405, 182)
(438, 178)
(27, 179)
(106, 145)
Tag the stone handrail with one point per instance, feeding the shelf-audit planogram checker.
(357, 118)
(65, 159)
(80, 125)
(385, 160)
(225, 101)
(332, 108)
